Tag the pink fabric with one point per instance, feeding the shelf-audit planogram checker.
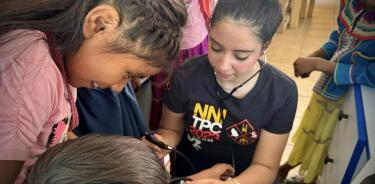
(195, 29)
(159, 80)
(34, 112)
(194, 43)
(59, 61)
(207, 7)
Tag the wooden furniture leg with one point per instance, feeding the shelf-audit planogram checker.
(295, 12)
(311, 7)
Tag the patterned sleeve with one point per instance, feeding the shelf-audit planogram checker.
(363, 72)
(173, 94)
(330, 47)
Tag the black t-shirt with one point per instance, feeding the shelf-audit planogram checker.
(218, 130)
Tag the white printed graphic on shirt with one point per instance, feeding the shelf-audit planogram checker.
(207, 125)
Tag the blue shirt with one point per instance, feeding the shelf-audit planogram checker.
(104, 111)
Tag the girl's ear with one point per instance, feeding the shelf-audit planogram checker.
(102, 18)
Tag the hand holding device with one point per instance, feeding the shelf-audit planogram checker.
(150, 136)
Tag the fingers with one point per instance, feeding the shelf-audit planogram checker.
(136, 83)
(159, 137)
(228, 168)
(224, 171)
(159, 152)
(295, 66)
(301, 68)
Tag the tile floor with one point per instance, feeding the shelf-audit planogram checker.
(286, 47)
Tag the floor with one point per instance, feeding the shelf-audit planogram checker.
(293, 43)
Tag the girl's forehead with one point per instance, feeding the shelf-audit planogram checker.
(237, 28)
(236, 23)
(234, 36)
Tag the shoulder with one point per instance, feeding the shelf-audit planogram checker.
(27, 70)
(17, 41)
(194, 68)
(26, 47)
(280, 83)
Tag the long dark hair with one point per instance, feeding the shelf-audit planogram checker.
(151, 29)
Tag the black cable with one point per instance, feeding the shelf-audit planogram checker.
(239, 86)
(222, 104)
(186, 159)
(150, 137)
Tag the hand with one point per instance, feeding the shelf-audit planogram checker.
(71, 135)
(159, 151)
(207, 181)
(303, 66)
(136, 83)
(220, 171)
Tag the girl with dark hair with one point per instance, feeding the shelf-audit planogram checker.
(48, 48)
(99, 158)
(230, 106)
(104, 159)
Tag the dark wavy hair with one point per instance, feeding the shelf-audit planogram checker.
(151, 29)
(99, 159)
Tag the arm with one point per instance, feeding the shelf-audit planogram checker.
(170, 130)
(218, 171)
(171, 126)
(266, 160)
(318, 53)
(26, 104)
(318, 60)
(272, 139)
(172, 120)
(303, 66)
(362, 73)
(9, 170)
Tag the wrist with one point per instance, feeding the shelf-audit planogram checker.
(325, 66)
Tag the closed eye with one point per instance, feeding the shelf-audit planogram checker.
(241, 55)
(215, 49)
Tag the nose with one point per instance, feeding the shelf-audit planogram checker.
(224, 64)
(119, 86)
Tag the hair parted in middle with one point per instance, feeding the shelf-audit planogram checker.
(99, 159)
(263, 17)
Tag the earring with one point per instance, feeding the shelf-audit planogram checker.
(94, 85)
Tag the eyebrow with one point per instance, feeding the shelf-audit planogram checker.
(236, 50)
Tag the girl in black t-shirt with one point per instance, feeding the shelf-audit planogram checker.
(230, 106)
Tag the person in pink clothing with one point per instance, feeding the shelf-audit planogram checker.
(49, 48)
(194, 43)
